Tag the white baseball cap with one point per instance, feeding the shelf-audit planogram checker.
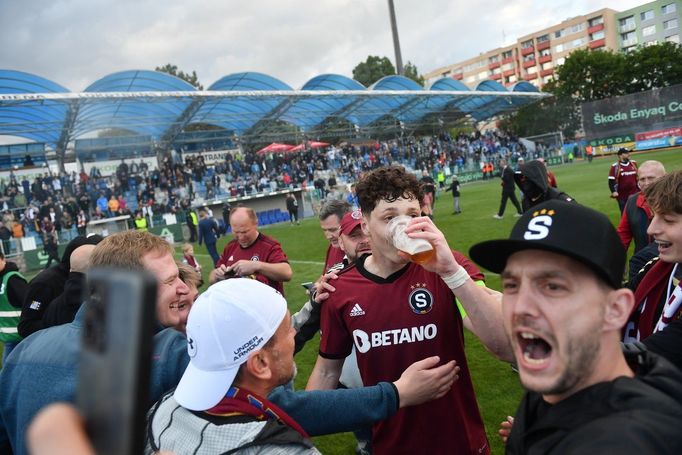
(227, 322)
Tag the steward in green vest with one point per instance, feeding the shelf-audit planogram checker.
(13, 288)
(140, 222)
(192, 223)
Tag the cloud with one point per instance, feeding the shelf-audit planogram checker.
(75, 42)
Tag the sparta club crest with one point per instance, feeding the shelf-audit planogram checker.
(420, 300)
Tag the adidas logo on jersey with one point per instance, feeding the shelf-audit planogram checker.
(357, 311)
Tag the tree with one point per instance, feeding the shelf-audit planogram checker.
(171, 69)
(654, 66)
(373, 69)
(411, 72)
(591, 75)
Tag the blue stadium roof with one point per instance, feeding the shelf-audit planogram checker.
(161, 106)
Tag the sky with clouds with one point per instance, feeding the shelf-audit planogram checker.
(76, 42)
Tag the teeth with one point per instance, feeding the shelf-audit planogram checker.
(529, 359)
(528, 336)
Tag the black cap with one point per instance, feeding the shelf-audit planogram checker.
(623, 150)
(565, 228)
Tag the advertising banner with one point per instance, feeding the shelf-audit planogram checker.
(623, 115)
(211, 157)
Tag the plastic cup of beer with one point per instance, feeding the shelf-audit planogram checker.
(419, 250)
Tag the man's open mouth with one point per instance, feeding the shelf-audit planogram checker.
(534, 348)
(663, 244)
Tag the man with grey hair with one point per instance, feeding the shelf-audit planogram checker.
(331, 214)
(637, 215)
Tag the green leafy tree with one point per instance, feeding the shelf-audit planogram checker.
(410, 71)
(373, 69)
(171, 69)
(591, 75)
(654, 66)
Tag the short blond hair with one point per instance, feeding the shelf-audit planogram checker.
(125, 249)
(186, 247)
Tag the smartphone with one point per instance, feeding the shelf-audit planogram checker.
(115, 359)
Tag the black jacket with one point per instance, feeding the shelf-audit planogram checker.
(507, 180)
(46, 286)
(532, 180)
(638, 416)
(63, 309)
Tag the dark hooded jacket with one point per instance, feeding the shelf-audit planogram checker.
(638, 415)
(532, 180)
(46, 286)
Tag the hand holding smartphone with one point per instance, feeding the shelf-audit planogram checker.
(115, 359)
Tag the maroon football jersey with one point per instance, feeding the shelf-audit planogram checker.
(393, 323)
(264, 249)
(625, 176)
(334, 256)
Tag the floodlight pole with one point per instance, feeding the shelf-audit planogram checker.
(396, 40)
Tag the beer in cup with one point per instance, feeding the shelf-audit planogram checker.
(419, 250)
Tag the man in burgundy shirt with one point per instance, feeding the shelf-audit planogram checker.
(331, 215)
(396, 312)
(252, 254)
(623, 178)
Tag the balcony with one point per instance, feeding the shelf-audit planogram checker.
(458, 76)
(527, 50)
(530, 77)
(596, 44)
(528, 64)
(547, 72)
(629, 42)
(543, 45)
(508, 73)
(595, 28)
(627, 27)
(545, 58)
(493, 65)
(507, 60)
(496, 76)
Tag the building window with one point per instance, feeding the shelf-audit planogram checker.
(532, 70)
(512, 78)
(673, 39)
(672, 23)
(578, 42)
(547, 66)
(529, 57)
(506, 54)
(627, 24)
(547, 78)
(545, 53)
(669, 8)
(543, 38)
(629, 36)
(494, 59)
(596, 21)
(507, 66)
(470, 79)
(648, 31)
(651, 43)
(527, 44)
(559, 48)
(483, 75)
(560, 61)
(558, 33)
(597, 35)
(647, 15)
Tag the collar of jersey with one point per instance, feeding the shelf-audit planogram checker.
(360, 265)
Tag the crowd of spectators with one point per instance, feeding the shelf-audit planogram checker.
(67, 200)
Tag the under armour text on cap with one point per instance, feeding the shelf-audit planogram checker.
(565, 228)
(228, 322)
(350, 221)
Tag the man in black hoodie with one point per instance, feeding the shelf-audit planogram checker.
(48, 285)
(563, 311)
(532, 180)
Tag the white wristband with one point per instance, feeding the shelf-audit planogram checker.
(457, 279)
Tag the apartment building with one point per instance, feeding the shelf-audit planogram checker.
(535, 56)
(648, 24)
